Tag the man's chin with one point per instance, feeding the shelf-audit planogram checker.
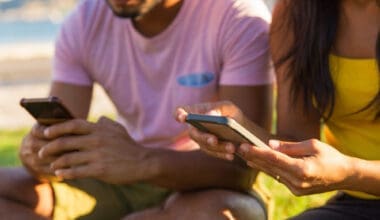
(126, 15)
(123, 12)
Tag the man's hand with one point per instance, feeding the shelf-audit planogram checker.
(101, 150)
(31, 144)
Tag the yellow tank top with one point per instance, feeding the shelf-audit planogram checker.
(352, 132)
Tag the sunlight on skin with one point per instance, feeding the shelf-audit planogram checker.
(214, 113)
(44, 206)
(228, 214)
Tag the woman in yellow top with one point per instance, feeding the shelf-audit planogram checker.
(327, 60)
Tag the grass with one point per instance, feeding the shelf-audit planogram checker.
(9, 143)
(283, 203)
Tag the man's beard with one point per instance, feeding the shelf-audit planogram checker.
(129, 12)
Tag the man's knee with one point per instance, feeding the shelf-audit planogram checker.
(17, 185)
(211, 204)
(15, 181)
(243, 206)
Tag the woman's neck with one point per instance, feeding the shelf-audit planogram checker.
(358, 28)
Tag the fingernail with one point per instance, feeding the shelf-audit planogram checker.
(229, 157)
(244, 148)
(46, 132)
(230, 148)
(53, 167)
(58, 173)
(210, 141)
(41, 153)
(275, 144)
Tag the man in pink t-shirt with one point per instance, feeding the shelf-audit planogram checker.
(150, 58)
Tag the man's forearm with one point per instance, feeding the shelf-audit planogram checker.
(196, 170)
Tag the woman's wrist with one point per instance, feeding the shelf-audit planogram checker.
(354, 174)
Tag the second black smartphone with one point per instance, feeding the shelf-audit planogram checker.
(46, 111)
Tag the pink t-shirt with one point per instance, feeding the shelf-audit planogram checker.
(210, 43)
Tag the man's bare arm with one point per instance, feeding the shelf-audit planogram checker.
(76, 98)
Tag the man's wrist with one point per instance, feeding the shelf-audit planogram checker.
(152, 164)
(43, 178)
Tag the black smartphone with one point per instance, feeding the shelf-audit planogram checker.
(225, 128)
(46, 111)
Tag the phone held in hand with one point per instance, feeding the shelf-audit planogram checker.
(46, 111)
(225, 128)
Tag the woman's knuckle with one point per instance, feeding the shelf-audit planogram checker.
(313, 142)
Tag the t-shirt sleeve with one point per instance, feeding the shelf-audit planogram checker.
(69, 63)
(244, 43)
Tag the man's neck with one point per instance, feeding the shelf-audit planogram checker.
(158, 19)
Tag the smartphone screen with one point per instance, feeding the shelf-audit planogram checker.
(46, 111)
(225, 128)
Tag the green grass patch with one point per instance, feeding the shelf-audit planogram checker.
(9, 145)
(283, 204)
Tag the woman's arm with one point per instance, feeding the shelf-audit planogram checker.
(310, 166)
(293, 123)
(366, 176)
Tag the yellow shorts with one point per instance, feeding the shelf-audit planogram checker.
(92, 199)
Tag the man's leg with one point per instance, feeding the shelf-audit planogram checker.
(205, 205)
(23, 197)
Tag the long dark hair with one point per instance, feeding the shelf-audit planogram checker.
(315, 24)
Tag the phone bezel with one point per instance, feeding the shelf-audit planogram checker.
(240, 134)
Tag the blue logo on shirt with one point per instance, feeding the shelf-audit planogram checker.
(196, 79)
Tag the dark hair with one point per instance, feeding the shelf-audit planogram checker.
(314, 25)
(377, 99)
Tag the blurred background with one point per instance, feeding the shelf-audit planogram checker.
(27, 32)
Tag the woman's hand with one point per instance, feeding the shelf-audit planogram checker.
(224, 108)
(209, 143)
(304, 167)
